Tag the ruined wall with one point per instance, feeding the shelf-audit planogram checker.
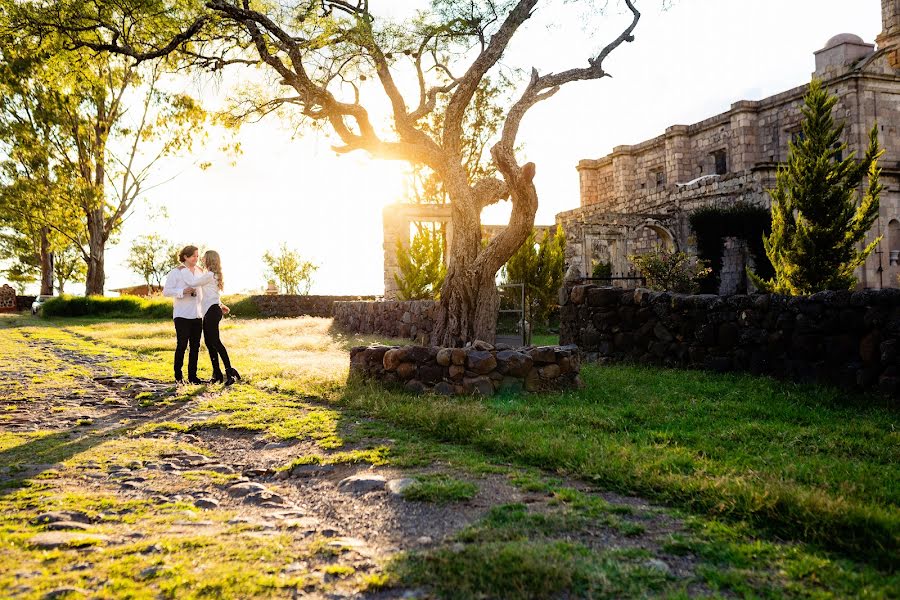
(413, 319)
(290, 305)
(849, 339)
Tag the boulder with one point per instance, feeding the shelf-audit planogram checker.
(481, 362)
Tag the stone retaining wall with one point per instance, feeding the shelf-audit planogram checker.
(25, 302)
(412, 319)
(479, 369)
(850, 339)
(288, 305)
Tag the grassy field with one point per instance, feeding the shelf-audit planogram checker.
(784, 490)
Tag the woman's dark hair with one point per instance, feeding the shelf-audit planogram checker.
(187, 251)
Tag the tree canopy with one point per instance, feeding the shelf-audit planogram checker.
(818, 215)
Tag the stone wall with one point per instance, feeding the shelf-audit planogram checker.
(413, 319)
(849, 339)
(25, 302)
(286, 305)
(479, 369)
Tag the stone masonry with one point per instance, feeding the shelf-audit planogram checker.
(641, 196)
(413, 319)
(849, 339)
(295, 305)
(478, 369)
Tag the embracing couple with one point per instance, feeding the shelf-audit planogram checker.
(198, 311)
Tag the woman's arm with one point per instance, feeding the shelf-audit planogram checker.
(198, 280)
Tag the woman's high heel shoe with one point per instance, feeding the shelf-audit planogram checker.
(233, 376)
(217, 378)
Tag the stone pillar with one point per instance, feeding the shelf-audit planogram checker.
(396, 228)
(678, 154)
(588, 171)
(743, 149)
(623, 178)
(889, 38)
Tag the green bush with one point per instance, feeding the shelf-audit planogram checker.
(241, 306)
(99, 306)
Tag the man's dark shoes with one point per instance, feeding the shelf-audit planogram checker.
(194, 381)
(217, 378)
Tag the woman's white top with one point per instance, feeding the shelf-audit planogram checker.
(206, 282)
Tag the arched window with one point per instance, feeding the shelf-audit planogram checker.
(893, 242)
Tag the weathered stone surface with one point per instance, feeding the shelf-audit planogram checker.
(513, 363)
(458, 356)
(444, 389)
(392, 359)
(396, 486)
(245, 487)
(67, 525)
(543, 354)
(62, 515)
(481, 362)
(444, 357)
(362, 483)
(206, 502)
(406, 370)
(478, 385)
(549, 372)
(456, 372)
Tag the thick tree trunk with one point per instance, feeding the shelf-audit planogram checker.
(46, 263)
(469, 298)
(96, 277)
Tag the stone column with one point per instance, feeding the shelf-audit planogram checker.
(743, 148)
(889, 38)
(678, 154)
(623, 178)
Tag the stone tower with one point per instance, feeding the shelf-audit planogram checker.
(889, 38)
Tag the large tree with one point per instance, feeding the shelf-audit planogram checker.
(93, 126)
(323, 53)
(821, 211)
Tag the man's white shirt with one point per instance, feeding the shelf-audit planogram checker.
(184, 305)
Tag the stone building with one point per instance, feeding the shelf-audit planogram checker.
(641, 196)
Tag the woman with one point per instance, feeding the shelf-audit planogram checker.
(211, 283)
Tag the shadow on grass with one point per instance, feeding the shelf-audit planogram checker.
(45, 452)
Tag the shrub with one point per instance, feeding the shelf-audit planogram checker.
(671, 271)
(100, 306)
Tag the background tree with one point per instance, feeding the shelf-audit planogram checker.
(541, 267)
(421, 265)
(68, 265)
(323, 53)
(817, 222)
(99, 122)
(152, 257)
(290, 270)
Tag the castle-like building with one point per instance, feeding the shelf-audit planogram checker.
(641, 196)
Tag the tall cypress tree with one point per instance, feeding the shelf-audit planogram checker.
(817, 223)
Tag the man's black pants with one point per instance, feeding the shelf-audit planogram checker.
(188, 332)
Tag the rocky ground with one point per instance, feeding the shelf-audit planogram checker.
(336, 525)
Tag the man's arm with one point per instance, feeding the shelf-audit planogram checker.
(174, 286)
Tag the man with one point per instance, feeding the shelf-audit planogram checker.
(186, 312)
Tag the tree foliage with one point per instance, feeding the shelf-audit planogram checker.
(152, 257)
(540, 265)
(671, 271)
(83, 132)
(421, 269)
(817, 221)
(290, 270)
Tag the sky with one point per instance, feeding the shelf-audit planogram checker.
(687, 63)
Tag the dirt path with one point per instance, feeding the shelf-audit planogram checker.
(345, 520)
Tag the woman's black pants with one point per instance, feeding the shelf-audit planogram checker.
(188, 332)
(213, 343)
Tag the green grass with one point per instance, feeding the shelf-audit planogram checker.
(800, 462)
(786, 490)
(440, 488)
